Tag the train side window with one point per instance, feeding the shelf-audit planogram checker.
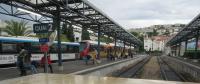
(70, 49)
(9, 48)
(76, 49)
(52, 48)
(35, 47)
(64, 48)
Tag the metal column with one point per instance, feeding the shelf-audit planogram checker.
(186, 42)
(179, 49)
(130, 52)
(57, 25)
(130, 46)
(176, 50)
(98, 49)
(124, 49)
(196, 46)
(115, 47)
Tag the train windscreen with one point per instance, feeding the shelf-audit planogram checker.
(83, 45)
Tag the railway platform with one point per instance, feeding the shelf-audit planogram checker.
(78, 79)
(68, 67)
(187, 60)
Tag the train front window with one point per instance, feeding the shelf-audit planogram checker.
(83, 45)
(9, 48)
(35, 47)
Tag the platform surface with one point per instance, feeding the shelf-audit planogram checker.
(68, 67)
(78, 79)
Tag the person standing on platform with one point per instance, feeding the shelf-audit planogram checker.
(20, 61)
(43, 61)
(28, 64)
(98, 61)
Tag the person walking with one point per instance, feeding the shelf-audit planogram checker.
(93, 56)
(43, 61)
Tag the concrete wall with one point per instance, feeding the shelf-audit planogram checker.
(183, 67)
(109, 68)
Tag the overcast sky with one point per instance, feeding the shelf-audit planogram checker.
(143, 13)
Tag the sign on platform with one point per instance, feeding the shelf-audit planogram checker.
(44, 48)
(43, 40)
(42, 28)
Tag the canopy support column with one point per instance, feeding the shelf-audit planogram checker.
(56, 22)
(196, 46)
(186, 42)
(115, 47)
(98, 48)
(179, 49)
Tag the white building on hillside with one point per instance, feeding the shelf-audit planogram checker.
(156, 43)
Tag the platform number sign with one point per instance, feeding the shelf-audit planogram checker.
(43, 40)
(42, 28)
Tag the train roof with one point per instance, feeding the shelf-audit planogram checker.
(30, 39)
(103, 43)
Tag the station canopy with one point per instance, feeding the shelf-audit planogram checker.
(77, 12)
(188, 32)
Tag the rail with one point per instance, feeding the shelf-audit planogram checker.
(191, 72)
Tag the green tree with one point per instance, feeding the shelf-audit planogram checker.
(15, 28)
(155, 33)
(70, 33)
(1, 30)
(140, 37)
(151, 34)
(105, 39)
(67, 33)
(136, 34)
(167, 33)
(85, 34)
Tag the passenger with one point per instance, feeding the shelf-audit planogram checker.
(98, 61)
(112, 57)
(20, 61)
(126, 55)
(131, 54)
(94, 56)
(118, 56)
(85, 57)
(108, 55)
(28, 64)
(43, 60)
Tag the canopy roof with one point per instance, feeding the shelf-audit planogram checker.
(188, 32)
(77, 12)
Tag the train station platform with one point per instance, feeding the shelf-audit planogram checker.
(78, 79)
(68, 67)
(191, 61)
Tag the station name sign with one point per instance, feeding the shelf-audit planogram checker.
(42, 28)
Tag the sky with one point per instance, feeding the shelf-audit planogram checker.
(144, 13)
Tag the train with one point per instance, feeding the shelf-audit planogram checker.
(106, 49)
(10, 48)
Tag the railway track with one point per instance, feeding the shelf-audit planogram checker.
(131, 71)
(135, 71)
(167, 73)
